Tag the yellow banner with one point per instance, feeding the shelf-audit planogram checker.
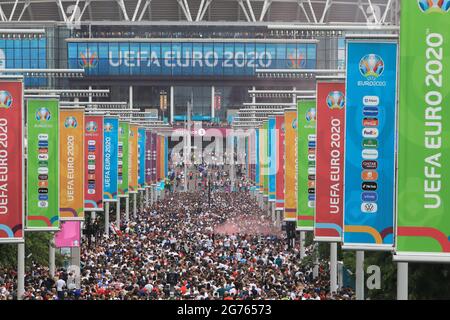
(290, 175)
(133, 159)
(71, 164)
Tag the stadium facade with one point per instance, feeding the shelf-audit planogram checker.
(159, 54)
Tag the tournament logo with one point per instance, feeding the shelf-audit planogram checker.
(108, 127)
(283, 128)
(296, 62)
(311, 115)
(88, 59)
(371, 66)
(91, 126)
(434, 6)
(131, 133)
(336, 100)
(294, 123)
(70, 122)
(6, 99)
(121, 131)
(43, 114)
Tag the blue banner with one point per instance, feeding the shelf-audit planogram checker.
(257, 159)
(110, 156)
(219, 59)
(370, 144)
(272, 153)
(141, 157)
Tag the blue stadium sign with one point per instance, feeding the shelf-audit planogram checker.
(219, 59)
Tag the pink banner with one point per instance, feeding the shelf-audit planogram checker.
(69, 235)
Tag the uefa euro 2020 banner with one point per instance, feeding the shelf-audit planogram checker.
(148, 157)
(290, 175)
(328, 217)
(133, 160)
(43, 165)
(93, 161)
(71, 164)
(370, 144)
(423, 216)
(123, 158)
(272, 157)
(11, 161)
(306, 172)
(279, 154)
(141, 158)
(110, 158)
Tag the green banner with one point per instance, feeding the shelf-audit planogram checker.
(123, 156)
(43, 165)
(306, 164)
(423, 220)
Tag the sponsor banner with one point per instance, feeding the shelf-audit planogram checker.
(423, 219)
(257, 174)
(265, 158)
(11, 164)
(154, 157)
(148, 157)
(69, 236)
(261, 163)
(133, 160)
(158, 158)
(272, 157)
(306, 172)
(290, 175)
(141, 158)
(280, 130)
(110, 158)
(369, 149)
(93, 161)
(329, 157)
(71, 167)
(43, 153)
(123, 158)
(161, 158)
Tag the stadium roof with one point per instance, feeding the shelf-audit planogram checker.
(202, 11)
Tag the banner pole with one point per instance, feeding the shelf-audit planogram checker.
(20, 270)
(141, 200)
(107, 218)
(333, 267)
(316, 262)
(359, 275)
(134, 205)
(147, 197)
(402, 281)
(302, 245)
(118, 214)
(127, 209)
(51, 257)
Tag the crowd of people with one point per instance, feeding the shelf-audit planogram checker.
(183, 247)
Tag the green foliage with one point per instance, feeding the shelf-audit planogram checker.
(36, 250)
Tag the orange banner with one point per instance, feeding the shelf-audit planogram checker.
(133, 160)
(290, 178)
(71, 168)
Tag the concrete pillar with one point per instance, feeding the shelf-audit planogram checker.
(51, 256)
(20, 270)
(302, 244)
(118, 213)
(359, 275)
(107, 218)
(127, 208)
(134, 205)
(333, 267)
(402, 281)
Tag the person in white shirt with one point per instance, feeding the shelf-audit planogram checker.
(60, 285)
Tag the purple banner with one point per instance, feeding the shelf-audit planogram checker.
(148, 158)
(154, 137)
